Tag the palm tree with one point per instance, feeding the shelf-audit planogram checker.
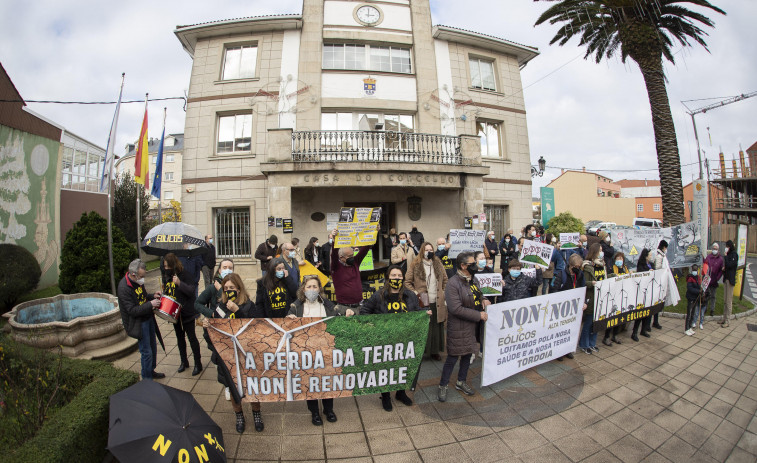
(645, 30)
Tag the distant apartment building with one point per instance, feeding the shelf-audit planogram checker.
(647, 195)
(591, 196)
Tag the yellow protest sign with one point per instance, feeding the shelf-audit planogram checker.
(309, 269)
(358, 226)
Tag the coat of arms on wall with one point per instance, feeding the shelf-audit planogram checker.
(414, 207)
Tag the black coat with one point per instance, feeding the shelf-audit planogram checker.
(731, 264)
(609, 253)
(184, 294)
(567, 280)
(264, 307)
(209, 258)
(378, 303)
(693, 288)
(417, 239)
(492, 246)
(325, 257)
(223, 375)
(134, 304)
(263, 252)
(518, 288)
(449, 264)
(507, 253)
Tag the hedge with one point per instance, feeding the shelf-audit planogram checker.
(78, 431)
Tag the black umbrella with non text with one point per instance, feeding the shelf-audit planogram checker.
(177, 237)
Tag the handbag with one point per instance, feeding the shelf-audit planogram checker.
(423, 299)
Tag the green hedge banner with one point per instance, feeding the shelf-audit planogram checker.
(273, 360)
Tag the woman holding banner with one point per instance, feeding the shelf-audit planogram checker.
(312, 302)
(618, 268)
(729, 280)
(660, 262)
(643, 265)
(427, 278)
(276, 291)
(234, 303)
(392, 298)
(594, 271)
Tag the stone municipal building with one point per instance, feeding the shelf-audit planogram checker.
(351, 103)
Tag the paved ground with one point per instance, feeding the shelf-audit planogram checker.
(668, 398)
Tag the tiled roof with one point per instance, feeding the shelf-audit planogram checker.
(753, 147)
(637, 183)
(292, 15)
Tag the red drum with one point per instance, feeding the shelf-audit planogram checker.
(169, 309)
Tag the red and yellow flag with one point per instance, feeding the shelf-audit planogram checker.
(141, 166)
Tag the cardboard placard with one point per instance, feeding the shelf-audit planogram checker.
(536, 253)
(465, 240)
(358, 226)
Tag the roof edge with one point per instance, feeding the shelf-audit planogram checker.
(188, 35)
(524, 53)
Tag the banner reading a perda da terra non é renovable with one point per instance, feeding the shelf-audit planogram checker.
(528, 332)
(627, 298)
(273, 360)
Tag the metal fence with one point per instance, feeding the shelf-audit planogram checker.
(378, 146)
(232, 232)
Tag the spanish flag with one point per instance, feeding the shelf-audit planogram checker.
(141, 170)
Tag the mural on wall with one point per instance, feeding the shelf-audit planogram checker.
(28, 183)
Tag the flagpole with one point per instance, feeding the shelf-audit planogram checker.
(139, 195)
(160, 190)
(110, 183)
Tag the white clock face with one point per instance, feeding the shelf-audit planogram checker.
(368, 14)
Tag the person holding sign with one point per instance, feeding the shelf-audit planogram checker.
(312, 302)
(428, 280)
(516, 285)
(618, 268)
(507, 252)
(729, 280)
(594, 271)
(276, 291)
(179, 285)
(643, 265)
(345, 274)
(234, 303)
(392, 298)
(465, 308)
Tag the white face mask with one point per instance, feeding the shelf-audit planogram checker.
(533, 233)
(210, 241)
(311, 294)
(607, 240)
(140, 282)
(601, 255)
(714, 252)
(584, 243)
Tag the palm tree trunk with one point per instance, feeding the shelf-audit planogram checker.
(668, 160)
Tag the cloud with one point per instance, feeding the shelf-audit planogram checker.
(583, 114)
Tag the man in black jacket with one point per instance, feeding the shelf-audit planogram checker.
(208, 261)
(137, 316)
(325, 256)
(266, 251)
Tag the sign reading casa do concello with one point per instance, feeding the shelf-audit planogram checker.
(272, 360)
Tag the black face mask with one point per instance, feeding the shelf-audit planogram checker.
(576, 270)
(168, 274)
(231, 295)
(472, 268)
(429, 255)
(350, 261)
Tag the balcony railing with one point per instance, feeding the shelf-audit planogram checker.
(731, 173)
(736, 203)
(379, 146)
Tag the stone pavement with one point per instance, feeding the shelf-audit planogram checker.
(668, 398)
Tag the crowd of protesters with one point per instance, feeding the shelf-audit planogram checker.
(421, 276)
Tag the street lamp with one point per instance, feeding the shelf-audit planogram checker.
(540, 170)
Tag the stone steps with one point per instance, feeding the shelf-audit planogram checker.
(111, 352)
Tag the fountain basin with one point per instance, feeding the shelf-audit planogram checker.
(85, 325)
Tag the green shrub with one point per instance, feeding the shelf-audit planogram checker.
(19, 274)
(77, 431)
(84, 259)
(565, 223)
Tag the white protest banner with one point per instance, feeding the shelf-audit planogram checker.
(705, 282)
(629, 297)
(684, 243)
(358, 226)
(465, 240)
(536, 253)
(524, 333)
(529, 272)
(490, 284)
(332, 220)
(569, 240)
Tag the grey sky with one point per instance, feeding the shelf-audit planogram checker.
(579, 113)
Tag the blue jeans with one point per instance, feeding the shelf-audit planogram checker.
(148, 348)
(699, 314)
(587, 338)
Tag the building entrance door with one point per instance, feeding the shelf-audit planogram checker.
(388, 221)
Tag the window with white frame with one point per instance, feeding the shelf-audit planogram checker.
(239, 62)
(232, 231)
(393, 124)
(366, 58)
(491, 146)
(482, 74)
(234, 133)
(168, 176)
(639, 208)
(656, 208)
(81, 168)
(154, 159)
(169, 157)
(168, 194)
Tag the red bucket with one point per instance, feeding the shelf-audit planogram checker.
(169, 309)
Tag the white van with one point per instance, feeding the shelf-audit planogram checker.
(640, 222)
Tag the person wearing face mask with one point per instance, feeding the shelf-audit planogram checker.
(313, 253)
(605, 241)
(571, 277)
(427, 278)
(491, 246)
(345, 274)
(266, 251)
(136, 307)
(326, 255)
(233, 302)
(715, 263)
(618, 268)
(208, 261)
(276, 291)
(390, 241)
(465, 308)
(529, 232)
(298, 254)
(292, 265)
(403, 252)
(442, 252)
(311, 302)
(660, 262)
(179, 284)
(594, 271)
(729, 280)
(516, 285)
(693, 298)
(393, 298)
(506, 252)
(416, 239)
(644, 264)
(549, 272)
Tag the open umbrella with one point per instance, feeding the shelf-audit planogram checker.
(176, 237)
(150, 422)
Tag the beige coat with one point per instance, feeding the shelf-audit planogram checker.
(415, 280)
(398, 253)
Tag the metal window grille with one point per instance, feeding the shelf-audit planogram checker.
(496, 217)
(232, 232)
